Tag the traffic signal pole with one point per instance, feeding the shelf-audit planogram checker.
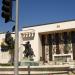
(16, 55)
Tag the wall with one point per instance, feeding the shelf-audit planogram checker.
(48, 28)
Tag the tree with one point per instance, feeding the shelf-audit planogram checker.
(8, 45)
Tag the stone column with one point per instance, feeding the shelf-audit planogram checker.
(46, 48)
(53, 44)
(61, 43)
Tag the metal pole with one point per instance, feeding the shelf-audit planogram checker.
(28, 69)
(16, 39)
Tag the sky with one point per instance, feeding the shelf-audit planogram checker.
(35, 12)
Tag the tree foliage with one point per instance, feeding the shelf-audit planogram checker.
(8, 43)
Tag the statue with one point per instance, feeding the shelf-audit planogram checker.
(28, 56)
(28, 52)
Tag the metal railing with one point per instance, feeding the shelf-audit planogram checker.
(35, 70)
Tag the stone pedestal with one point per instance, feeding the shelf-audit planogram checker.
(28, 62)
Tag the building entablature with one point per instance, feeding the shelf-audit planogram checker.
(53, 27)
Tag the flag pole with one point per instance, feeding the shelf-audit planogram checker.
(16, 52)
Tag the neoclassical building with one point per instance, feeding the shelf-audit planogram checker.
(52, 43)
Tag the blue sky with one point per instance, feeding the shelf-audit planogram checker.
(34, 12)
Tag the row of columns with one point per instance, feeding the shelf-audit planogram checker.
(58, 43)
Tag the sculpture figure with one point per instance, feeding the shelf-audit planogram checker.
(28, 55)
(28, 52)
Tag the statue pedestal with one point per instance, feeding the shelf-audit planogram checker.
(28, 62)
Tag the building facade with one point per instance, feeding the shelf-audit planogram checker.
(52, 43)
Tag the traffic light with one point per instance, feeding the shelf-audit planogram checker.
(7, 10)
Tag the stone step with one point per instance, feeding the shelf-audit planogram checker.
(33, 72)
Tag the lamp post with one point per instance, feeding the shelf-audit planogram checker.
(16, 39)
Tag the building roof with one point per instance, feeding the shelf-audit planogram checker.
(49, 23)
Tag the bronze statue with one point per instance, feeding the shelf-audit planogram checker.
(28, 52)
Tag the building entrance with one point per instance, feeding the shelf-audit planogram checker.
(58, 46)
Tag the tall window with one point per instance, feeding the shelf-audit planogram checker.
(65, 36)
(50, 46)
(43, 47)
(57, 43)
(73, 43)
